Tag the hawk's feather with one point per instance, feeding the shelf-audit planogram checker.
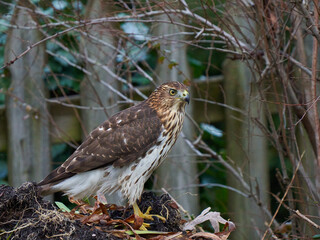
(123, 138)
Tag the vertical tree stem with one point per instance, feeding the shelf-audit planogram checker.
(314, 88)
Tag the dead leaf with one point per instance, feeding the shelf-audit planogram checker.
(172, 64)
(206, 235)
(161, 59)
(138, 221)
(205, 215)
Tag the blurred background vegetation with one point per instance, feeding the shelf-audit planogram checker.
(261, 73)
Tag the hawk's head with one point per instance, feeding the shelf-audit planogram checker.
(171, 96)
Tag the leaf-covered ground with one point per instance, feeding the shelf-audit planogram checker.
(26, 215)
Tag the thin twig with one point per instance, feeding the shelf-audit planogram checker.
(282, 199)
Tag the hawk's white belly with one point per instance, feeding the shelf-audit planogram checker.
(129, 180)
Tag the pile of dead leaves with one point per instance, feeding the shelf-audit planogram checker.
(26, 215)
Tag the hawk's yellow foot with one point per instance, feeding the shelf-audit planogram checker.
(147, 214)
(144, 227)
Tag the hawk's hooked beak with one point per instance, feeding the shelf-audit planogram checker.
(185, 96)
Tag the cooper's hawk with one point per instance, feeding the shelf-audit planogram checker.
(121, 153)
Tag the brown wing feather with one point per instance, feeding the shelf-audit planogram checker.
(127, 140)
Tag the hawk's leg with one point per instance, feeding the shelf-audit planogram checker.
(79, 203)
(101, 198)
(146, 215)
(75, 201)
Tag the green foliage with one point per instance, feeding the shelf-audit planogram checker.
(3, 169)
(204, 62)
(4, 81)
(62, 8)
(60, 77)
(63, 207)
(216, 197)
(140, 80)
(60, 152)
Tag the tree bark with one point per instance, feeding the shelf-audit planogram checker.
(246, 143)
(28, 126)
(304, 49)
(246, 146)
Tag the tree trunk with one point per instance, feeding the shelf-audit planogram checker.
(246, 143)
(93, 92)
(179, 171)
(246, 146)
(304, 49)
(28, 126)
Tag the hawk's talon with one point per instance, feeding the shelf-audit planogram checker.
(147, 214)
(148, 211)
(154, 215)
(144, 227)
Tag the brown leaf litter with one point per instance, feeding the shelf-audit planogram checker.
(26, 215)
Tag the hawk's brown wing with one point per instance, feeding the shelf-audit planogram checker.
(125, 137)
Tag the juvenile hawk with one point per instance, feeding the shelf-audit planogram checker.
(121, 153)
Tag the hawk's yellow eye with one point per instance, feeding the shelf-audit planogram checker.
(172, 92)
